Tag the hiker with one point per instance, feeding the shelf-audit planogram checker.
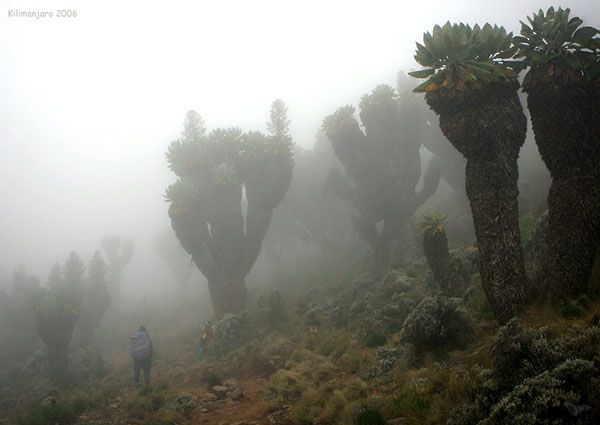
(205, 339)
(141, 351)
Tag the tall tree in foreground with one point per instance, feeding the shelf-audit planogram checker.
(119, 253)
(384, 166)
(474, 92)
(563, 97)
(213, 173)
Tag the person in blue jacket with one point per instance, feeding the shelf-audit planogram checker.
(141, 351)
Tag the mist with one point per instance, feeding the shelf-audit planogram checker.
(91, 103)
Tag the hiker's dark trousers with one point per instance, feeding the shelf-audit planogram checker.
(139, 364)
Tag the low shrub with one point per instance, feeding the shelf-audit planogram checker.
(369, 416)
(374, 340)
(436, 323)
(538, 379)
(410, 402)
(571, 311)
(210, 378)
(58, 413)
(147, 389)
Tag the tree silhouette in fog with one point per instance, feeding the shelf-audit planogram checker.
(119, 252)
(175, 257)
(57, 311)
(96, 298)
(384, 167)
(214, 172)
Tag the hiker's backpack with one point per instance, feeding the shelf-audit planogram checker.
(140, 345)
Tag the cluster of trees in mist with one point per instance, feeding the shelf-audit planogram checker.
(72, 297)
(364, 180)
(472, 84)
(473, 87)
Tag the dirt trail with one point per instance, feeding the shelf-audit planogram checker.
(250, 409)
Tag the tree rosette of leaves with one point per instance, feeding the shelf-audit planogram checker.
(557, 50)
(431, 223)
(459, 58)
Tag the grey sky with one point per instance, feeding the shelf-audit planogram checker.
(90, 104)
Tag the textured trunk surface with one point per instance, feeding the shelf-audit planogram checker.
(58, 362)
(493, 195)
(566, 123)
(573, 236)
(435, 246)
(488, 127)
(228, 295)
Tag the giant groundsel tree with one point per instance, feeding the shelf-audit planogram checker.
(383, 166)
(563, 96)
(119, 252)
(57, 311)
(474, 89)
(214, 173)
(96, 298)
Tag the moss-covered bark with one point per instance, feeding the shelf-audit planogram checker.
(435, 246)
(488, 127)
(228, 294)
(565, 113)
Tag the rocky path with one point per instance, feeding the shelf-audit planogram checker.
(233, 403)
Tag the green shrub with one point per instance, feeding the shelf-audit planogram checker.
(211, 379)
(162, 386)
(81, 402)
(145, 391)
(436, 322)
(410, 402)
(158, 401)
(535, 378)
(58, 413)
(375, 339)
(369, 416)
(571, 311)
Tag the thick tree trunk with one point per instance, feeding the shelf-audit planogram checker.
(488, 127)
(573, 235)
(58, 363)
(492, 192)
(437, 254)
(566, 123)
(228, 294)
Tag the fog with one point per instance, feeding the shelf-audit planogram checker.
(90, 104)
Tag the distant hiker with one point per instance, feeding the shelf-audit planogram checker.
(205, 339)
(141, 351)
